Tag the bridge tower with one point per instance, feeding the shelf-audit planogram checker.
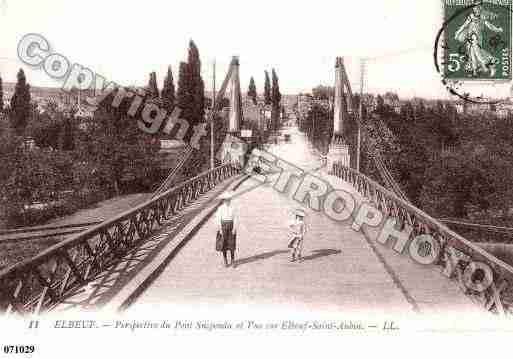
(233, 148)
(339, 149)
(235, 114)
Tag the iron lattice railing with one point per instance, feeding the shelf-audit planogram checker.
(455, 252)
(38, 284)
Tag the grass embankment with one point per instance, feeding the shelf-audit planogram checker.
(13, 252)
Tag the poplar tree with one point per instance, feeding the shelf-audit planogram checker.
(153, 89)
(252, 92)
(267, 89)
(183, 95)
(20, 104)
(196, 85)
(275, 92)
(275, 100)
(168, 91)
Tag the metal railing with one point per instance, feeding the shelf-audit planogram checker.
(29, 233)
(456, 252)
(479, 226)
(38, 284)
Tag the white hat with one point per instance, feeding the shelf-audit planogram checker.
(300, 213)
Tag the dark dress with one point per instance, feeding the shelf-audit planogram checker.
(229, 239)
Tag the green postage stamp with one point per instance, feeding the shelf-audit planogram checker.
(477, 40)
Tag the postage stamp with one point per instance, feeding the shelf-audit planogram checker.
(477, 36)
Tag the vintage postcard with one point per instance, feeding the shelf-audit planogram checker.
(255, 179)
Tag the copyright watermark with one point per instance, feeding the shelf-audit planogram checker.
(34, 50)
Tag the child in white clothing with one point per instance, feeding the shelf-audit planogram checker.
(297, 231)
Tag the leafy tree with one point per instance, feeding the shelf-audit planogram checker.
(407, 112)
(380, 105)
(420, 109)
(31, 176)
(20, 104)
(168, 91)
(47, 127)
(319, 127)
(120, 154)
(252, 92)
(67, 135)
(453, 186)
(11, 158)
(267, 89)
(323, 92)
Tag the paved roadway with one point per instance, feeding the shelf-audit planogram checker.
(116, 284)
(342, 270)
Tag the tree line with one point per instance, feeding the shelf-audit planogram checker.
(452, 164)
(449, 163)
(70, 161)
(272, 96)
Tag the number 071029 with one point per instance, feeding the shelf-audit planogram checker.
(19, 349)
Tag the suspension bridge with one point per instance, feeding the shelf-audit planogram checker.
(163, 250)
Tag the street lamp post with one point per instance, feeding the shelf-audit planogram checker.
(212, 164)
(362, 78)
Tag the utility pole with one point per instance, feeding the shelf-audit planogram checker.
(212, 164)
(362, 79)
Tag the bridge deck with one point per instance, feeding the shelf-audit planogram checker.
(343, 270)
(110, 288)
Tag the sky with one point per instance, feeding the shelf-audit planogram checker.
(125, 40)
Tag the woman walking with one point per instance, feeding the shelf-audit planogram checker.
(297, 231)
(226, 233)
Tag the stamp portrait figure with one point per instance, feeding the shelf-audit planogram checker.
(471, 35)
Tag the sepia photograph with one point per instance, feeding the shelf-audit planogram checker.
(259, 179)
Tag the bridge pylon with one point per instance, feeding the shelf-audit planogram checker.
(339, 149)
(235, 114)
(233, 148)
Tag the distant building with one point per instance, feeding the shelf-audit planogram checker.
(503, 110)
(304, 104)
(370, 102)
